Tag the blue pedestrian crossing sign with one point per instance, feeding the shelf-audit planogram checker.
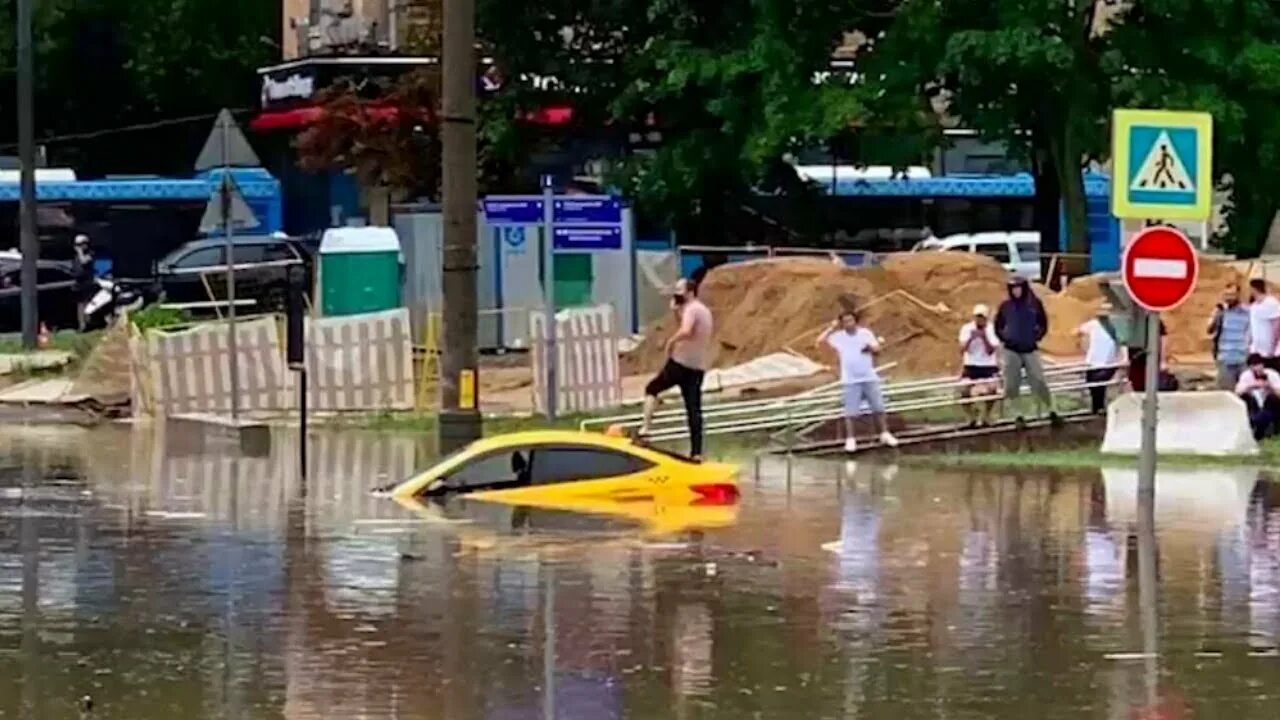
(1162, 165)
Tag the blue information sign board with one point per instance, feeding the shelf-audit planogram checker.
(586, 210)
(587, 238)
(513, 210)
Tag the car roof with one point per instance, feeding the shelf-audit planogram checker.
(552, 437)
(238, 240)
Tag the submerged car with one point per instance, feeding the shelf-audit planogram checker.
(557, 468)
(484, 523)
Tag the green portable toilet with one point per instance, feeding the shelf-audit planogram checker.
(359, 270)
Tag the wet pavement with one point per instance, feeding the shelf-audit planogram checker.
(147, 579)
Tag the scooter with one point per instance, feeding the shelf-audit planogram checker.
(108, 299)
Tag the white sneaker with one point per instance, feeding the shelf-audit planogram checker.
(888, 440)
(851, 445)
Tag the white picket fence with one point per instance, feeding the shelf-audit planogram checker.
(588, 375)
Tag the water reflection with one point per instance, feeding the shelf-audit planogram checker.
(170, 578)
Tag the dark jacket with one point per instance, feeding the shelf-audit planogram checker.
(1021, 323)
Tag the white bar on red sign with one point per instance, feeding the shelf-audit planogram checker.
(1155, 268)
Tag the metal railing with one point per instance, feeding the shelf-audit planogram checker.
(815, 407)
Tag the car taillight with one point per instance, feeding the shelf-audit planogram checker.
(715, 494)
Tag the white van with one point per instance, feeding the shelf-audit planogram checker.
(1018, 252)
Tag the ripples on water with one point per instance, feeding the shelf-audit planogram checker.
(197, 585)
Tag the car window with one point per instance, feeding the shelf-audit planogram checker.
(204, 257)
(1029, 252)
(249, 254)
(279, 252)
(492, 470)
(568, 463)
(998, 252)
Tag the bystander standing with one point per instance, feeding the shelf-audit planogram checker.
(857, 346)
(1102, 356)
(1264, 322)
(1021, 323)
(1229, 330)
(980, 371)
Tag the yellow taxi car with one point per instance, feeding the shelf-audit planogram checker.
(555, 468)
(485, 523)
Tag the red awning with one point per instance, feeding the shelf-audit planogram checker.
(299, 118)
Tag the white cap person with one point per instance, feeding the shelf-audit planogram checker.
(980, 366)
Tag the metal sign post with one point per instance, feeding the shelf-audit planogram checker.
(225, 148)
(1160, 268)
(1162, 167)
(549, 292)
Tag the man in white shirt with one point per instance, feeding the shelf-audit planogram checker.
(981, 368)
(1102, 356)
(1259, 388)
(1264, 322)
(856, 346)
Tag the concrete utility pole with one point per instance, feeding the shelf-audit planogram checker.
(459, 384)
(28, 240)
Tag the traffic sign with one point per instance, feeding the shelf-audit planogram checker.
(227, 209)
(226, 146)
(1160, 267)
(1162, 165)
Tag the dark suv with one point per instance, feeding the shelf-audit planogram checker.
(195, 274)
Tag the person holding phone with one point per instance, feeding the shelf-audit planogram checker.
(1259, 388)
(687, 357)
(856, 346)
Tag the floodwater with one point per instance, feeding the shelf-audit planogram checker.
(152, 580)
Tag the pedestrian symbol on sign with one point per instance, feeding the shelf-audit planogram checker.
(1163, 169)
(1162, 165)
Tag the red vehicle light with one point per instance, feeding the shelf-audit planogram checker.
(715, 494)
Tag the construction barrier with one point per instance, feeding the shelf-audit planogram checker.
(1190, 423)
(587, 372)
(356, 362)
(360, 362)
(189, 371)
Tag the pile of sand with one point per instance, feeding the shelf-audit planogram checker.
(916, 301)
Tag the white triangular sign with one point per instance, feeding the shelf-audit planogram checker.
(239, 215)
(226, 146)
(1163, 170)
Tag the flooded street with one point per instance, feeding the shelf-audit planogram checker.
(157, 580)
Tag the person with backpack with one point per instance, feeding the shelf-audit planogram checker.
(1102, 356)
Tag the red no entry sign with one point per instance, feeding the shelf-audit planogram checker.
(1160, 267)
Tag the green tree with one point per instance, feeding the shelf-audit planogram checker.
(1035, 74)
(730, 85)
(1223, 58)
(111, 63)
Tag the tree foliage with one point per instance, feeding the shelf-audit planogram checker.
(1222, 58)
(113, 63)
(392, 142)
